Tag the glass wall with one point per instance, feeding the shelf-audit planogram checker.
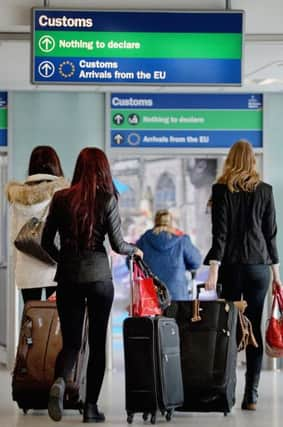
(181, 184)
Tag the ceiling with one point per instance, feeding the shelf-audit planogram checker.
(263, 49)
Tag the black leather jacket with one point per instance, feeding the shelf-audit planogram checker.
(87, 265)
(243, 226)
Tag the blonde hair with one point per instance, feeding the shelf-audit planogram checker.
(239, 171)
(163, 221)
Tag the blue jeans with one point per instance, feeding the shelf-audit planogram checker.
(251, 282)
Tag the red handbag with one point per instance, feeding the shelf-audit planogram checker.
(145, 301)
(279, 290)
(274, 331)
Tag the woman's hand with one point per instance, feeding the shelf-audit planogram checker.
(139, 253)
(211, 281)
(276, 283)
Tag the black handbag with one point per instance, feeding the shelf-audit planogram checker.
(163, 294)
(28, 240)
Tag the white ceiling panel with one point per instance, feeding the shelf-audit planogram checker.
(262, 16)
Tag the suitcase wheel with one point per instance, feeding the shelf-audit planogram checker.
(145, 416)
(130, 418)
(168, 415)
(152, 418)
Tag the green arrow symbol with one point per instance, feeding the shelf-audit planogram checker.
(46, 43)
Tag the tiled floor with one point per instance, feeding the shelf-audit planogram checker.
(268, 414)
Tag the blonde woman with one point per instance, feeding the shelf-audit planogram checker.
(244, 247)
(169, 253)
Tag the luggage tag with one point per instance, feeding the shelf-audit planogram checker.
(211, 295)
(196, 317)
(196, 311)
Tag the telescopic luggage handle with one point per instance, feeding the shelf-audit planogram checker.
(201, 286)
(131, 267)
(196, 303)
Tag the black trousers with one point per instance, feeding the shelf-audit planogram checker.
(251, 282)
(36, 293)
(72, 299)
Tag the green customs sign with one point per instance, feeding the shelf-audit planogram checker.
(3, 119)
(127, 47)
(146, 120)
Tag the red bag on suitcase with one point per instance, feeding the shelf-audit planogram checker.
(145, 301)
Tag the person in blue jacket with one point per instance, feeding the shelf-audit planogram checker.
(169, 253)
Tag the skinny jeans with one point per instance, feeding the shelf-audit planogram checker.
(72, 301)
(250, 281)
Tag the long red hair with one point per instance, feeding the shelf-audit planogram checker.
(92, 173)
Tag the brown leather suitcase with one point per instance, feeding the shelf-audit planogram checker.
(39, 344)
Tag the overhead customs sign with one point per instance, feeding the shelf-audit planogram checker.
(127, 47)
(184, 120)
(3, 119)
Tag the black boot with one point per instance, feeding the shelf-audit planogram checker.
(92, 414)
(251, 393)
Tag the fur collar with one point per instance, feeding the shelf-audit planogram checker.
(34, 190)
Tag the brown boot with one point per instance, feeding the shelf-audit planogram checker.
(251, 394)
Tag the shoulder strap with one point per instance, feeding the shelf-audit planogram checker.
(44, 212)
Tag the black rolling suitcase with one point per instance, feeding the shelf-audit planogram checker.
(208, 353)
(153, 376)
(39, 344)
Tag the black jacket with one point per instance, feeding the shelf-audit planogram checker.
(88, 265)
(243, 226)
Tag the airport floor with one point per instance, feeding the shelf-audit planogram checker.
(268, 414)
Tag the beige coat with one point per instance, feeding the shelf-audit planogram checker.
(28, 200)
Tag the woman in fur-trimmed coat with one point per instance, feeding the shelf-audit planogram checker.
(31, 199)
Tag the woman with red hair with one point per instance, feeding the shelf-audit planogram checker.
(83, 215)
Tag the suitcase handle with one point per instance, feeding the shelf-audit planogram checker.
(196, 303)
(131, 267)
(201, 286)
